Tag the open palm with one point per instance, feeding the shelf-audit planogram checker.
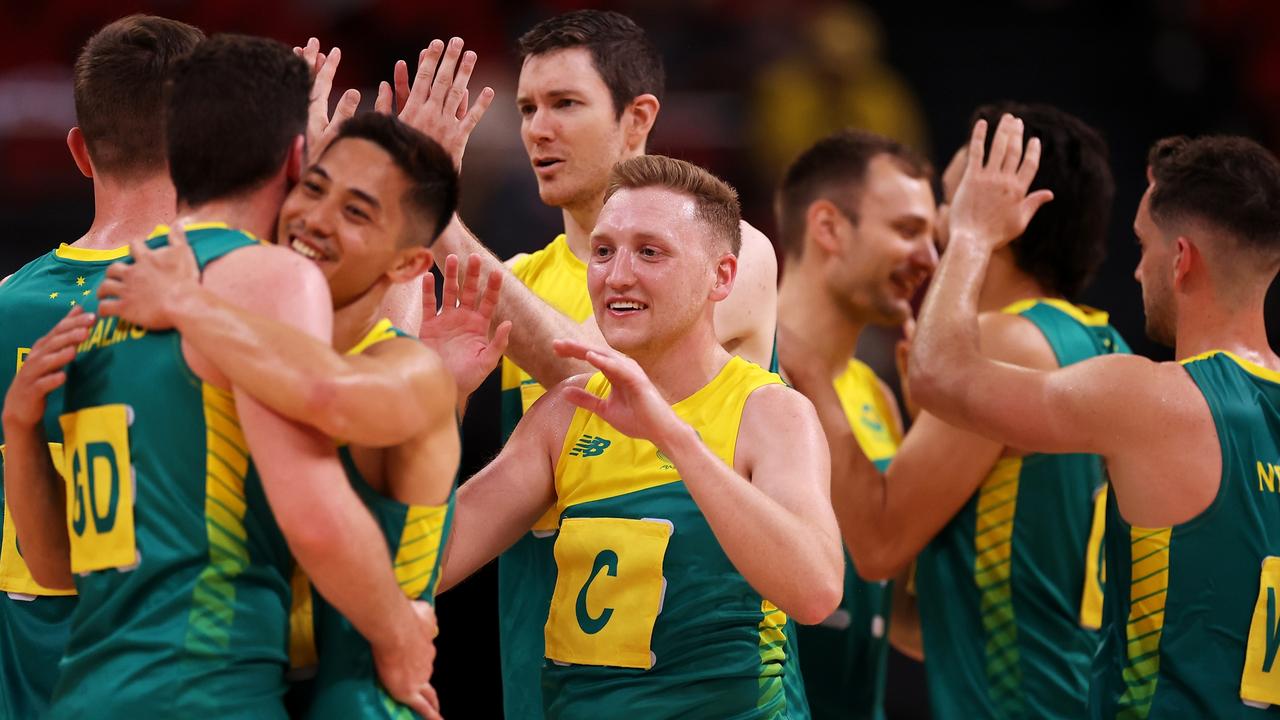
(459, 330)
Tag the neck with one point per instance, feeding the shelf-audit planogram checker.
(1207, 323)
(1005, 284)
(253, 213)
(579, 221)
(353, 321)
(684, 366)
(124, 211)
(806, 308)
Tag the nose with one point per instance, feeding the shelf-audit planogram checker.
(539, 126)
(924, 255)
(621, 275)
(320, 218)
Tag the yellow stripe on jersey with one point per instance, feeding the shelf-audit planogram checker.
(1080, 313)
(1252, 368)
(1095, 566)
(993, 561)
(164, 229)
(226, 464)
(773, 653)
(70, 252)
(1148, 589)
(421, 542)
(302, 630)
(382, 330)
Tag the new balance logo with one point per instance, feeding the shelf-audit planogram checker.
(589, 446)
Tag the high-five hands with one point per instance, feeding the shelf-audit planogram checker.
(436, 101)
(991, 205)
(321, 128)
(634, 406)
(459, 331)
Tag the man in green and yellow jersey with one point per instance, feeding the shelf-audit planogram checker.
(175, 536)
(365, 213)
(856, 214)
(1191, 446)
(1001, 536)
(589, 94)
(688, 485)
(120, 146)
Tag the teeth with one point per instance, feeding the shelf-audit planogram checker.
(304, 250)
(626, 306)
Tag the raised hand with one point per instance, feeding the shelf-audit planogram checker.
(43, 371)
(436, 101)
(991, 204)
(321, 128)
(634, 406)
(405, 669)
(459, 331)
(146, 291)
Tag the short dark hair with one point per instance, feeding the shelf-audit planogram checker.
(119, 85)
(1066, 241)
(236, 104)
(716, 200)
(834, 169)
(1231, 183)
(622, 53)
(432, 196)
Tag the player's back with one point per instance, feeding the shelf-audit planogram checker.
(1002, 587)
(34, 620)
(182, 571)
(346, 685)
(1191, 610)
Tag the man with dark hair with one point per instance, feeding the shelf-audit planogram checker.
(1191, 446)
(687, 485)
(856, 213)
(365, 214)
(184, 488)
(588, 95)
(1005, 541)
(120, 146)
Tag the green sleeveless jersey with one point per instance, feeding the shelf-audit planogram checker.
(649, 617)
(1192, 609)
(845, 656)
(1002, 587)
(527, 570)
(181, 569)
(346, 684)
(34, 620)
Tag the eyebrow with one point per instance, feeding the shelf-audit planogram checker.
(522, 99)
(364, 196)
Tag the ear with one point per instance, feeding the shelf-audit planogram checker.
(297, 158)
(410, 263)
(822, 223)
(639, 118)
(80, 151)
(1185, 256)
(726, 272)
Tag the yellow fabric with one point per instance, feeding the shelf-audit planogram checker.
(1252, 368)
(868, 411)
(382, 330)
(1091, 596)
(420, 542)
(598, 462)
(70, 252)
(1080, 313)
(1149, 587)
(15, 576)
(1260, 682)
(599, 617)
(164, 229)
(302, 630)
(99, 488)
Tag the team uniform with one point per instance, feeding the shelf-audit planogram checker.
(1191, 609)
(1008, 591)
(845, 656)
(346, 684)
(34, 620)
(649, 618)
(181, 569)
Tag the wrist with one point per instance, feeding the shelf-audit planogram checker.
(677, 438)
(185, 304)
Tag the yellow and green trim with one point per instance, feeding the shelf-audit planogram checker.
(993, 561)
(1148, 590)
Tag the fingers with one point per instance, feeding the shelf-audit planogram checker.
(442, 87)
(421, 705)
(1030, 163)
(433, 700)
(323, 83)
(1000, 143)
(1013, 153)
(347, 105)
(492, 293)
(1033, 203)
(498, 346)
(382, 103)
(400, 76)
(469, 291)
(456, 96)
(449, 294)
(477, 111)
(137, 250)
(583, 399)
(570, 349)
(422, 82)
(429, 307)
(110, 288)
(977, 147)
(462, 107)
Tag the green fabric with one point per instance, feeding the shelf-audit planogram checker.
(199, 627)
(1006, 641)
(1191, 664)
(34, 632)
(706, 642)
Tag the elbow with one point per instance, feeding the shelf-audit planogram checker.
(310, 534)
(821, 598)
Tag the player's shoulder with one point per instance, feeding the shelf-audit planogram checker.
(1015, 339)
(774, 403)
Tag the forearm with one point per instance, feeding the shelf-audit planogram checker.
(486, 522)
(36, 496)
(946, 351)
(781, 555)
(534, 323)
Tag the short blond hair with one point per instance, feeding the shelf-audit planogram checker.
(716, 200)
